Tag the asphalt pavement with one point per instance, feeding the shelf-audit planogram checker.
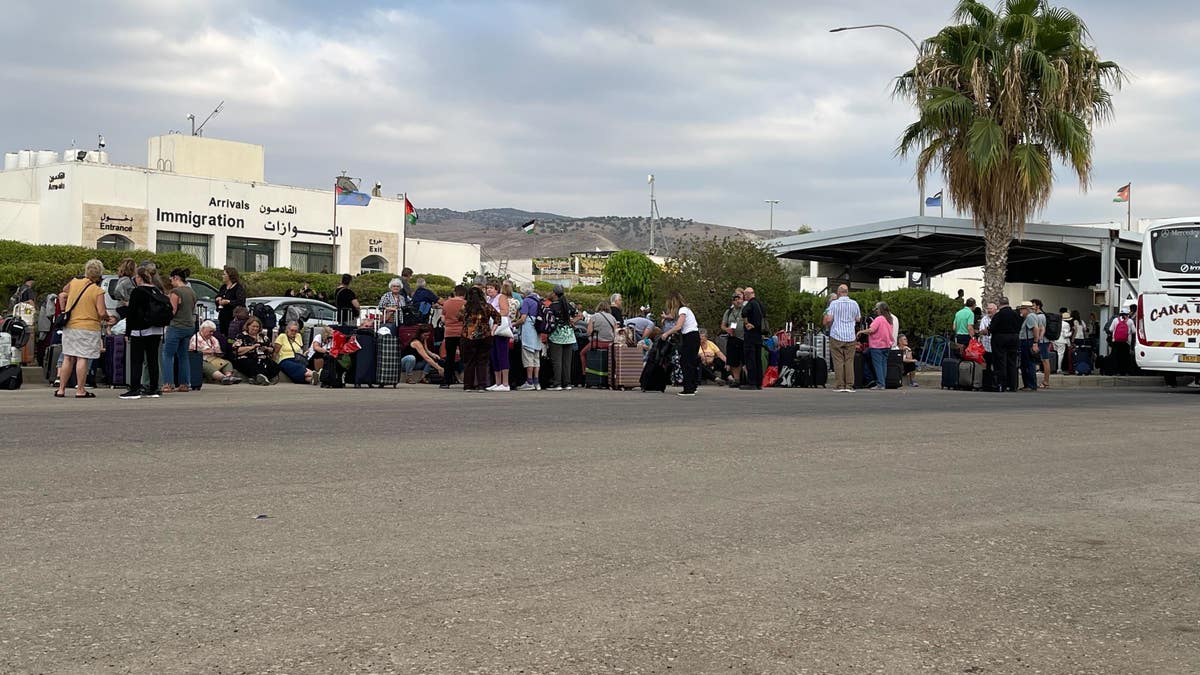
(297, 530)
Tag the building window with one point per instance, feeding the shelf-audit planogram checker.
(183, 242)
(312, 257)
(250, 255)
(115, 242)
(373, 263)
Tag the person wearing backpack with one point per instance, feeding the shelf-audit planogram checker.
(1122, 331)
(145, 323)
(24, 293)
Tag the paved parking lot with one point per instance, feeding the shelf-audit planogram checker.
(428, 531)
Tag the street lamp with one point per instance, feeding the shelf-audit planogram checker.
(772, 202)
(920, 193)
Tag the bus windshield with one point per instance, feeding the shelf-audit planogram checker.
(1176, 250)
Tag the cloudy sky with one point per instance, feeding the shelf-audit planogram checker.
(566, 105)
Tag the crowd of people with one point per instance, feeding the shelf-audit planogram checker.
(489, 334)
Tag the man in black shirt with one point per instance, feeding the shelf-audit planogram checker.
(346, 302)
(753, 318)
(1006, 345)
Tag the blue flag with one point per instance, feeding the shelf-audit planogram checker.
(935, 200)
(353, 198)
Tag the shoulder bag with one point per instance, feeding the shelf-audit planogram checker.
(60, 322)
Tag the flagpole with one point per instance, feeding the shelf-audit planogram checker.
(335, 251)
(1129, 209)
(404, 232)
(942, 203)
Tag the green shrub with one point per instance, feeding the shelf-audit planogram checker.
(922, 313)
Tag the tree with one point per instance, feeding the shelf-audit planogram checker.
(633, 275)
(1000, 96)
(706, 271)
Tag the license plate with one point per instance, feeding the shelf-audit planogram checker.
(1189, 358)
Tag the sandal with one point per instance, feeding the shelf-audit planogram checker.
(86, 394)
(60, 394)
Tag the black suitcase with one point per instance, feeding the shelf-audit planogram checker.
(802, 376)
(895, 370)
(820, 372)
(596, 375)
(654, 377)
(860, 377)
(787, 356)
(365, 359)
(950, 372)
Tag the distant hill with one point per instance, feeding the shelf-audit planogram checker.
(499, 232)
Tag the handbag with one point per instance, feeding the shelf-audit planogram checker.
(60, 322)
(974, 351)
(503, 329)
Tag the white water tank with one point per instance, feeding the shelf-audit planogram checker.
(10, 161)
(93, 156)
(69, 154)
(24, 159)
(46, 157)
(104, 157)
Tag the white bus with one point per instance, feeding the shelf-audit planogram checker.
(1168, 314)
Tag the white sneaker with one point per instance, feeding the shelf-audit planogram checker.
(501, 387)
(555, 389)
(492, 388)
(567, 388)
(528, 386)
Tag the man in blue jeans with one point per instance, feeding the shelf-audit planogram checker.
(1029, 353)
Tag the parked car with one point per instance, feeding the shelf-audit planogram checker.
(205, 296)
(319, 313)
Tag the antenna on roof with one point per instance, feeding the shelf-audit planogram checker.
(199, 130)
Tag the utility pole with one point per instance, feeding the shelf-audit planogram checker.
(772, 202)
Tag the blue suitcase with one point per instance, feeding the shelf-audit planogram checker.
(950, 372)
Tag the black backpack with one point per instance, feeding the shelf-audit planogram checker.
(265, 315)
(1053, 326)
(158, 308)
(18, 329)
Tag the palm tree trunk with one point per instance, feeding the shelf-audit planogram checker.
(996, 239)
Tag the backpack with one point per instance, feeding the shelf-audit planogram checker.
(18, 329)
(265, 315)
(1121, 332)
(546, 321)
(1054, 324)
(158, 308)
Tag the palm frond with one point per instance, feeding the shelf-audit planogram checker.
(985, 145)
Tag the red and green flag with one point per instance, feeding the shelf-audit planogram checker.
(410, 212)
(1123, 193)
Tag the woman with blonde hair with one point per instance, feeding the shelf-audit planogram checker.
(689, 341)
(81, 336)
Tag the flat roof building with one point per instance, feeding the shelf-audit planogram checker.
(207, 197)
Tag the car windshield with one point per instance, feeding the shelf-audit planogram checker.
(202, 290)
(1176, 250)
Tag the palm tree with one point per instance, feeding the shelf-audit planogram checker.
(1001, 94)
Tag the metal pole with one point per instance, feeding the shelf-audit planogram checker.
(1129, 209)
(878, 25)
(652, 213)
(772, 202)
(335, 251)
(404, 232)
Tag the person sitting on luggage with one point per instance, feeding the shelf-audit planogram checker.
(216, 367)
(291, 356)
(712, 361)
(321, 342)
(416, 355)
(910, 362)
(252, 352)
(240, 314)
(425, 299)
(390, 303)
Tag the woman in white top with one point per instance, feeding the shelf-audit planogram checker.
(689, 341)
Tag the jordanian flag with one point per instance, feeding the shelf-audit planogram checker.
(1123, 194)
(410, 213)
(528, 227)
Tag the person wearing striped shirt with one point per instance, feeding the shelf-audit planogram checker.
(841, 317)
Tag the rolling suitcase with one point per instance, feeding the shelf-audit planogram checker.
(803, 366)
(820, 372)
(970, 376)
(50, 363)
(1082, 360)
(950, 372)
(196, 370)
(114, 361)
(596, 374)
(387, 361)
(626, 367)
(895, 370)
(860, 375)
(365, 359)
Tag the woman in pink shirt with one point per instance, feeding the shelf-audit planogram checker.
(879, 342)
